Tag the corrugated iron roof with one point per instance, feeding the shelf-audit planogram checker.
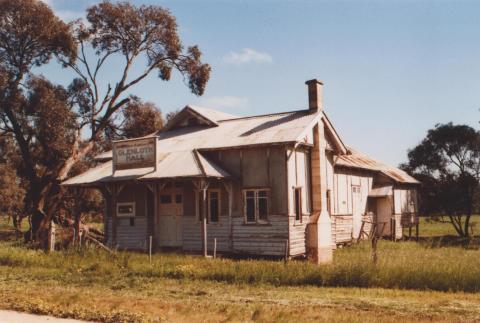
(171, 165)
(180, 144)
(264, 129)
(211, 114)
(186, 164)
(355, 159)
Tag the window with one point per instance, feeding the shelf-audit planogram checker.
(178, 198)
(213, 206)
(329, 201)
(298, 204)
(165, 199)
(256, 205)
(126, 209)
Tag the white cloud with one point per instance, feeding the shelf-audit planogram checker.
(248, 55)
(224, 102)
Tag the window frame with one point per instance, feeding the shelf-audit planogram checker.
(166, 195)
(300, 203)
(256, 199)
(199, 199)
(126, 215)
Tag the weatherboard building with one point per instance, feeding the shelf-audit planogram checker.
(282, 184)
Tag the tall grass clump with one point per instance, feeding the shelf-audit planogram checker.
(404, 265)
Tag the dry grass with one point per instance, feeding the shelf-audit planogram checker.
(92, 285)
(189, 301)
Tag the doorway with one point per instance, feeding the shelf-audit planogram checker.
(356, 210)
(170, 214)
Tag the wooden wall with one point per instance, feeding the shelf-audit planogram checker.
(252, 168)
(345, 224)
(131, 235)
(298, 176)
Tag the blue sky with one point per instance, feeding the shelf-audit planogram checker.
(392, 69)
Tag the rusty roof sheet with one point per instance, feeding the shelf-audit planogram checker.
(355, 159)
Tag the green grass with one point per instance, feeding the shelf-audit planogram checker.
(438, 226)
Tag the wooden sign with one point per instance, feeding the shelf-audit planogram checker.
(135, 153)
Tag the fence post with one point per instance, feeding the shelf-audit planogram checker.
(286, 251)
(214, 248)
(374, 249)
(150, 249)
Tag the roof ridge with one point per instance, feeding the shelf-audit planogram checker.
(263, 115)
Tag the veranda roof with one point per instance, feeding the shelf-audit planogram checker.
(178, 164)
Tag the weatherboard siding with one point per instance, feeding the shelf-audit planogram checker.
(131, 237)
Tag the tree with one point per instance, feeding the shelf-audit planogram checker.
(11, 191)
(138, 119)
(171, 115)
(447, 162)
(31, 107)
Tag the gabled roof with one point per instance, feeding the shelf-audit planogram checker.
(176, 164)
(355, 159)
(279, 128)
(203, 116)
(180, 145)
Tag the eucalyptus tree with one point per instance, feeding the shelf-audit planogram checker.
(56, 128)
(447, 162)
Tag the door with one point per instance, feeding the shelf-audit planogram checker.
(170, 218)
(356, 210)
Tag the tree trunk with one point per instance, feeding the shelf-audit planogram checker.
(467, 226)
(76, 226)
(457, 224)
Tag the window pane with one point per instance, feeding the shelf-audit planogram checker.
(298, 207)
(214, 207)
(262, 193)
(178, 198)
(250, 193)
(165, 199)
(250, 206)
(262, 208)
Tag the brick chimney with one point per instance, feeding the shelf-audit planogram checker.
(315, 95)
